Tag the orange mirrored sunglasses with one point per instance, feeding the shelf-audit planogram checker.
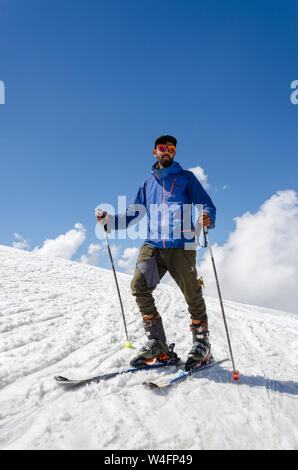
(163, 148)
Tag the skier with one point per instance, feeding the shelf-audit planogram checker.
(169, 247)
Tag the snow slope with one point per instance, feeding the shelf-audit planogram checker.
(61, 317)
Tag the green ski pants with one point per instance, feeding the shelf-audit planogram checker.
(152, 265)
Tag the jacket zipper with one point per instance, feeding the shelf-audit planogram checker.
(164, 212)
(163, 206)
(172, 187)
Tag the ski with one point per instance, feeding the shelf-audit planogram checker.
(97, 378)
(167, 382)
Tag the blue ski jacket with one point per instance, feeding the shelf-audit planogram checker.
(166, 198)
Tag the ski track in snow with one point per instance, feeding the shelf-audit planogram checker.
(61, 317)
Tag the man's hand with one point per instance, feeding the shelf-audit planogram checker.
(204, 219)
(102, 216)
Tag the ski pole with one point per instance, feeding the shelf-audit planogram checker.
(129, 343)
(235, 373)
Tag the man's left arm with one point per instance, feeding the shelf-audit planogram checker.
(198, 195)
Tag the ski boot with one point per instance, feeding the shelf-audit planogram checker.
(200, 352)
(156, 348)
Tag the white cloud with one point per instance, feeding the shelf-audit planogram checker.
(200, 174)
(92, 256)
(128, 259)
(259, 262)
(65, 245)
(115, 250)
(21, 243)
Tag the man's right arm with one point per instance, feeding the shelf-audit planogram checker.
(135, 211)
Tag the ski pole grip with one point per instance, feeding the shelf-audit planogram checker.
(105, 226)
(102, 216)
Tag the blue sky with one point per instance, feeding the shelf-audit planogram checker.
(89, 85)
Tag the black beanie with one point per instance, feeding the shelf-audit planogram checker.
(165, 138)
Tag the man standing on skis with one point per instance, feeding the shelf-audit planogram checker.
(167, 196)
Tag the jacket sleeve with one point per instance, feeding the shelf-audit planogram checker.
(134, 213)
(198, 195)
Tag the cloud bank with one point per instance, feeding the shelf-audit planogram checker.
(128, 260)
(200, 174)
(258, 264)
(92, 256)
(21, 243)
(65, 245)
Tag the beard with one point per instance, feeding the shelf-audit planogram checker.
(166, 161)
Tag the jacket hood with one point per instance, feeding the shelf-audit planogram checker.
(165, 172)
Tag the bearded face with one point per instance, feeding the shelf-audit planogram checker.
(165, 154)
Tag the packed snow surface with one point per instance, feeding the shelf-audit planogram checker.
(61, 317)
